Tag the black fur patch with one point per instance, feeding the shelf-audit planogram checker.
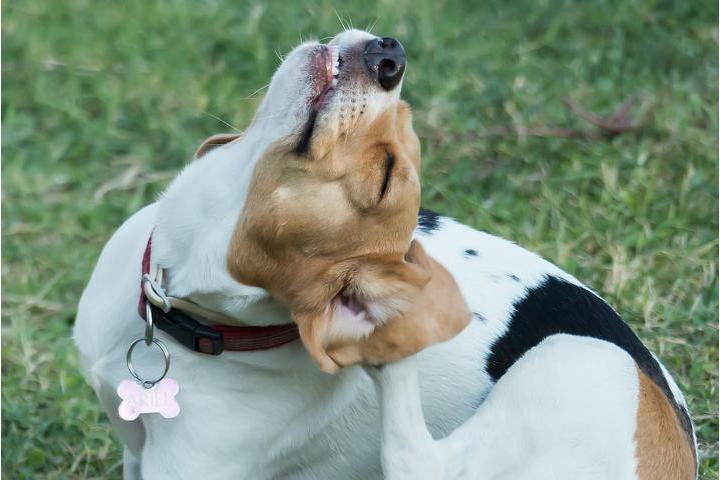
(555, 307)
(479, 316)
(514, 278)
(428, 221)
(470, 252)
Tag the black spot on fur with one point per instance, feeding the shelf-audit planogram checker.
(555, 307)
(479, 316)
(471, 252)
(428, 221)
(514, 278)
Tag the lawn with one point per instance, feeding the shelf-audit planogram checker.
(103, 102)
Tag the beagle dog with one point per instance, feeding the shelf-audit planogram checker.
(297, 245)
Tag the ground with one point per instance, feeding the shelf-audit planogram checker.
(103, 103)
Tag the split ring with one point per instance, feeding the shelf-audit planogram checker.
(131, 368)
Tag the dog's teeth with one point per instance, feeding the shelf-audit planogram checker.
(335, 70)
(334, 82)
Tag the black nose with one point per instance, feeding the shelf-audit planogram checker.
(385, 57)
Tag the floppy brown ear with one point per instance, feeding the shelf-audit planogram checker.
(438, 314)
(215, 141)
(384, 289)
(313, 330)
(392, 287)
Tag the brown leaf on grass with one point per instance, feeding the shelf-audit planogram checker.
(133, 177)
(620, 121)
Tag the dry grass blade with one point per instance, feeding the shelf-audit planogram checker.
(620, 121)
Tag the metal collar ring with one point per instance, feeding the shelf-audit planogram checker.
(131, 368)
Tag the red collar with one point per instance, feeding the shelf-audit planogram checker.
(212, 339)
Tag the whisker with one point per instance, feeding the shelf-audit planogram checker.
(342, 23)
(252, 95)
(370, 27)
(223, 121)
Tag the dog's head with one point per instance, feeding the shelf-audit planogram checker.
(333, 197)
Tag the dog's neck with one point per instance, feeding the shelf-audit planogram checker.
(195, 221)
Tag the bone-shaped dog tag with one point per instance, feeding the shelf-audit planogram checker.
(159, 398)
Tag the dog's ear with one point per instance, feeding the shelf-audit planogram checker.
(214, 142)
(375, 292)
(313, 329)
(391, 288)
(438, 314)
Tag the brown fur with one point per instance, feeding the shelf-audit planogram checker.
(661, 445)
(437, 315)
(314, 225)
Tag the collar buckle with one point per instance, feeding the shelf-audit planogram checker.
(168, 314)
(189, 332)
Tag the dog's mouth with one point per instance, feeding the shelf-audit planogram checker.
(326, 68)
(325, 64)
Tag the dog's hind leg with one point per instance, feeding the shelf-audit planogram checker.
(565, 410)
(408, 449)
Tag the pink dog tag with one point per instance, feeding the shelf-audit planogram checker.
(157, 399)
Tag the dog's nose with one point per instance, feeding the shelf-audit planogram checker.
(385, 57)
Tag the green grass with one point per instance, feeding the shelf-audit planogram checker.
(104, 101)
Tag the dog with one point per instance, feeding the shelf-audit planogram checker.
(288, 245)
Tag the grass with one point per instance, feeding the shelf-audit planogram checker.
(103, 102)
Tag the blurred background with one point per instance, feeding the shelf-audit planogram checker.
(584, 131)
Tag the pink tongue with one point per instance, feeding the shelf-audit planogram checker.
(351, 304)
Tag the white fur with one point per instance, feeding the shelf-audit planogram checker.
(566, 410)
(273, 414)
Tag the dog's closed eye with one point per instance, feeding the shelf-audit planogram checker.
(389, 164)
